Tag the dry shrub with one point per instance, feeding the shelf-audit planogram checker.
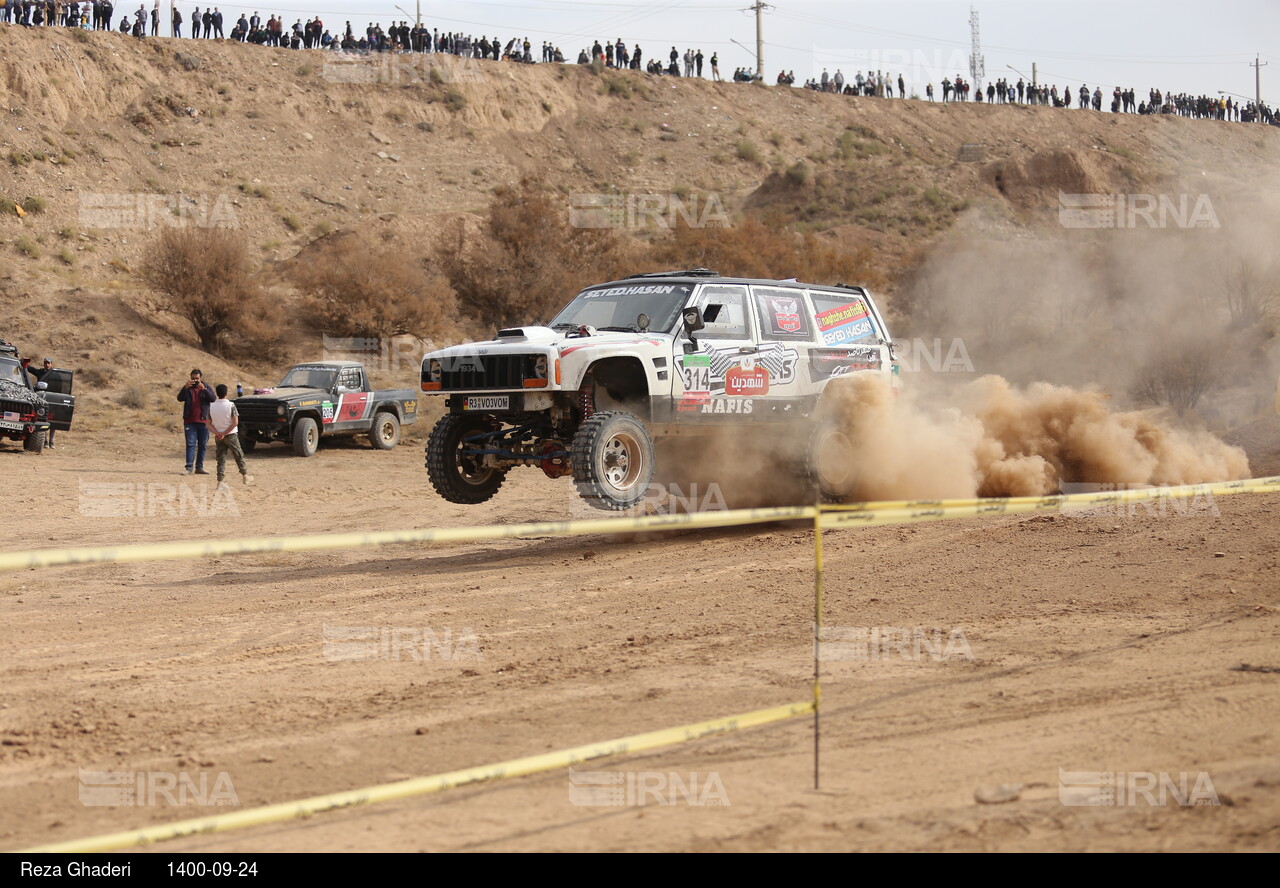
(355, 287)
(530, 260)
(205, 276)
(768, 249)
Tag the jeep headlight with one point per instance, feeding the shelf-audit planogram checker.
(434, 371)
(280, 410)
(540, 367)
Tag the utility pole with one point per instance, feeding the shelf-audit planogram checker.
(977, 64)
(758, 8)
(1033, 73)
(1257, 65)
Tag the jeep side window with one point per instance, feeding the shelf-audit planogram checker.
(349, 380)
(842, 319)
(783, 314)
(731, 322)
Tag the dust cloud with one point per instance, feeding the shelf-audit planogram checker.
(991, 438)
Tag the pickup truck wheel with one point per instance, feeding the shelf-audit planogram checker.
(385, 434)
(306, 437)
(456, 471)
(247, 444)
(612, 457)
(35, 442)
(832, 462)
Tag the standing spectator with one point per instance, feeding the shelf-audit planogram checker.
(195, 23)
(155, 19)
(38, 374)
(224, 422)
(928, 91)
(715, 65)
(902, 87)
(217, 23)
(177, 22)
(697, 60)
(838, 80)
(196, 397)
(826, 81)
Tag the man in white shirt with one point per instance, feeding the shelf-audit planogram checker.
(224, 422)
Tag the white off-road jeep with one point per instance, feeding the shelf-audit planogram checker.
(648, 358)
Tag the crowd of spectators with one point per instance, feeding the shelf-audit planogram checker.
(403, 37)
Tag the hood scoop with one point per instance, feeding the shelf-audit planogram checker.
(528, 334)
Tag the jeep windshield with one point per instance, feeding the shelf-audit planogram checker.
(11, 371)
(310, 377)
(618, 307)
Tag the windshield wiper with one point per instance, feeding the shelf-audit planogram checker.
(629, 329)
(565, 326)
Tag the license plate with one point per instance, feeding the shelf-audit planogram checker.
(12, 426)
(489, 402)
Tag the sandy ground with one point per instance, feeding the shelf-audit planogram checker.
(1099, 642)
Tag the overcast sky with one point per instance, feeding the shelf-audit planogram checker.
(1173, 45)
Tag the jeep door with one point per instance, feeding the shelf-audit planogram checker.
(352, 400)
(785, 341)
(701, 375)
(58, 396)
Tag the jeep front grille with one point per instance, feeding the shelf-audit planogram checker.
(258, 411)
(473, 373)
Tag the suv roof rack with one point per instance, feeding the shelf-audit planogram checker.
(693, 272)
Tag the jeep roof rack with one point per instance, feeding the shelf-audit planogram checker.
(693, 272)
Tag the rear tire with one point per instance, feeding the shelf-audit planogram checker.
(831, 464)
(34, 442)
(385, 433)
(612, 458)
(306, 437)
(457, 476)
(247, 444)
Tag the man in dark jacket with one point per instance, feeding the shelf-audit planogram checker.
(196, 396)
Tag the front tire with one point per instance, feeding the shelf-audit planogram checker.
(385, 433)
(612, 458)
(457, 473)
(34, 442)
(247, 444)
(306, 437)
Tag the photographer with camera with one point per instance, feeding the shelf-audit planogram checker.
(196, 395)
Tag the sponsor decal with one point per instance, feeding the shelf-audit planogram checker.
(845, 323)
(837, 362)
(746, 380)
(637, 290)
(786, 314)
(741, 406)
(326, 411)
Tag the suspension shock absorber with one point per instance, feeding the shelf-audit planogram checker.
(587, 397)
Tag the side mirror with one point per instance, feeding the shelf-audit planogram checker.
(42, 386)
(693, 320)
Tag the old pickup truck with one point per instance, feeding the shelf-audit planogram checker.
(325, 398)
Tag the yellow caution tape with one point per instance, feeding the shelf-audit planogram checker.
(878, 514)
(865, 514)
(179, 550)
(1101, 496)
(387, 792)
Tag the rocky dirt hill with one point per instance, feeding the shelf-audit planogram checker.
(291, 145)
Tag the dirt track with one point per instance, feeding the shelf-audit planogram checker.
(1098, 642)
